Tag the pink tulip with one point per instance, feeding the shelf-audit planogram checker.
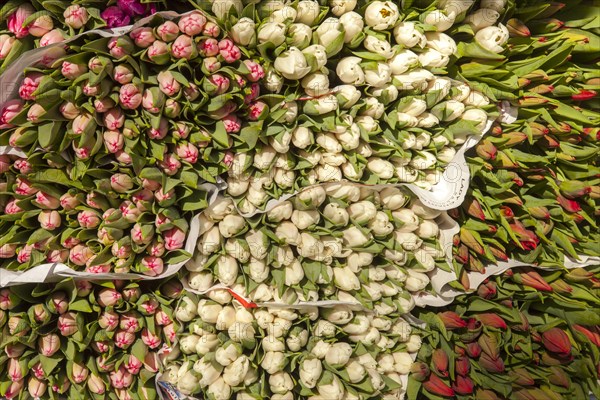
(88, 219)
(21, 164)
(121, 251)
(169, 164)
(7, 251)
(129, 322)
(123, 157)
(24, 255)
(61, 387)
(57, 256)
(16, 20)
(153, 100)
(36, 387)
(184, 47)
(254, 93)
(130, 96)
(101, 346)
(163, 197)
(172, 108)
(104, 363)
(133, 365)
(151, 362)
(46, 201)
(12, 207)
(30, 85)
(232, 123)
(121, 183)
(52, 56)
(228, 159)
(187, 152)
(152, 266)
(161, 132)
(191, 92)
(15, 372)
(54, 36)
(49, 344)
(124, 339)
(6, 44)
(167, 31)
(67, 323)
(80, 254)
(14, 389)
(208, 47)
(98, 269)
(96, 385)
(142, 37)
(76, 16)
(220, 82)
(79, 372)
(167, 83)
(49, 219)
(182, 131)
(132, 294)
(9, 110)
(113, 140)
(170, 332)
(109, 320)
(114, 119)
(58, 303)
(211, 64)
(123, 74)
(229, 51)
(108, 297)
(81, 123)
(103, 105)
(256, 70)
(240, 81)
(211, 29)
(41, 25)
(192, 24)
(83, 288)
(137, 235)
(150, 339)
(35, 112)
(120, 46)
(150, 306)
(24, 187)
(69, 110)
(14, 350)
(41, 245)
(174, 239)
(143, 195)
(73, 71)
(162, 318)
(257, 110)
(68, 202)
(161, 220)
(159, 52)
(38, 371)
(121, 378)
(91, 90)
(151, 185)
(130, 211)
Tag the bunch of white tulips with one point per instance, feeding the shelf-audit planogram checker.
(333, 353)
(337, 241)
(366, 98)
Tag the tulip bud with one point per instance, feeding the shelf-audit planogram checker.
(67, 324)
(48, 344)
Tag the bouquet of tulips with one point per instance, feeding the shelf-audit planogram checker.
(356, 92)
(535, 189)
(76, 339)
(317, 353)
(337, 241)
(27, 25)
(524, 335)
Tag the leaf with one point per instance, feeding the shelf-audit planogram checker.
(220, 134)
(49, 363)
(80, 305)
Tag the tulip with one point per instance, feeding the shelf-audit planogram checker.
(381, 15)
(9, 110)
(557, 341)
(49, 344)
(493, 320)
(16, 20)
(438, 387)
(67, 324)
(493, 38)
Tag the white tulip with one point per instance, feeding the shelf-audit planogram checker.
(330, 34)
(334, 390)
(377, 274)
(416, 281)
(258, 270)
(426, 261)
(187, 383)
(234, 373)
(373, 336)
(228, 353)
(460, 91)
(282, 144)
(347, 95)
(304, 219)
(320, 349)
(345, 279)
(408, 240)
(271, 343)
(336, 214)
(476, 99)
(359, 325)
(339, 354)
(406, 121)
(227, 270)
(357, 260)
(256, 196)
(403, 61)
(397, 256)
(283, 178)
(406, 174)
(479, 117)
(354, 237)
(310, 372)
(349, 70)
(386, 94)
(292, 64)
(383, 324)
(310, 247)
(219, 390)
(280, 212)
(294, 273)
(427, 120)
(241, 331)
(333, 159)
(339, 315)
(392, 198)
(207, 344)
(353, 25)
(273, 81)
(493, 38)
(380, 225)
(328, 173)
(482, 18)
(416, 79)
(258, 243)
(209, 311)
(221, 296)
(237, 187)
(302, 137)
(281, 383)
(324, 328)
(373, 108)
(441, 42)
(409, 220)
(307, 12)
(407, 34)
(343, 191)
(329, 142)
(378, 76)
(220, 8)
(382, 168)
(356, 372)
(218, 209)
(423, 160)
(427, 229)
(385, 363)
(273, 32)
(378, 46)
(441, 20)
(403, 362)
(362, 212)
(186, 309)
(244, 32)
(448, 110)
(297, 339)
(455, 6)
(315, 84)
(433, 59)
(341, 7)
(238, 249)
(412, 106)
(316, 56)
(423, 140)
(187, 344)
(288, 232)
(231, 225)
(351, 171)
(284, 14)
(345, 297)
(263, 318)
(262, 293)
(413, 344)
(381, 15)
(496, 5)
(273, 362)
(200, 280)
(446, 154)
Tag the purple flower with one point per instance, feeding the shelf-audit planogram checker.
(115, 17)
(132, 7)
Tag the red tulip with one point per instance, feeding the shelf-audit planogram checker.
(533, 279)
(473, 350)
(493, 320)
(494, 365)
(557, 341)
(452, 320)
(522, 377)
(437, 386)
(592, 336)
(462, 366)
(440, 362)
(463, 385)
(584, 95)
